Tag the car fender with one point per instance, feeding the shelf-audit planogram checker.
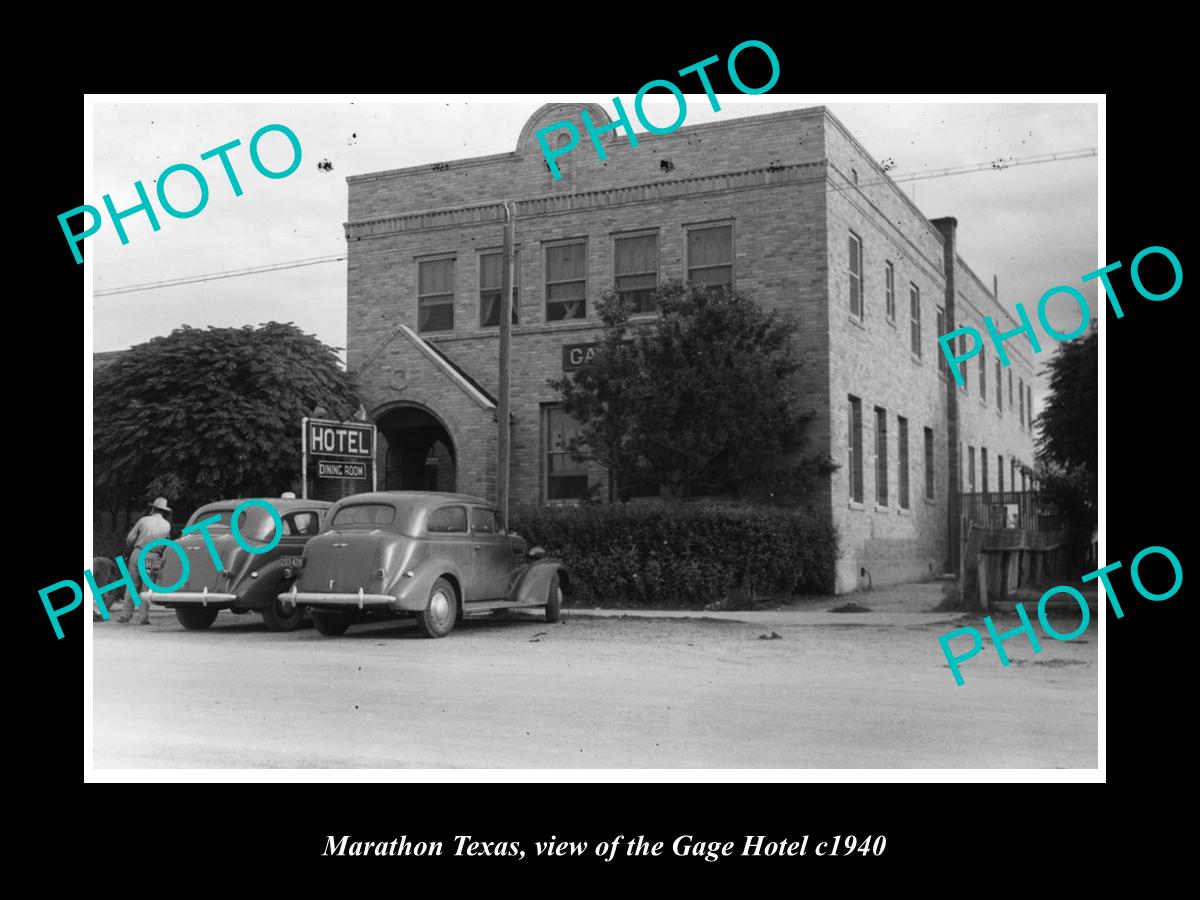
(534, 583)
(261, 591)
(413, 593)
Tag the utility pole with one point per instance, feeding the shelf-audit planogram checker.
(502, 414)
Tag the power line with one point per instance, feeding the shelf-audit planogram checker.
(999, 164)
(216, 276)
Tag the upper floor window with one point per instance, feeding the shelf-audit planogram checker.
(943, 366)
(491, 280)
(435, 294)
(1021, 395)
(914, 304)
(929, 463)
(566, 281)
(999, 387)
(889, 290)
(855, 264)
(982, 377)
(636, 270)
(710, 256)
(964, 369)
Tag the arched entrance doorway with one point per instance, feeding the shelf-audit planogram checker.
(417, 453)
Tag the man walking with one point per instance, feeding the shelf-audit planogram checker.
(149, 528)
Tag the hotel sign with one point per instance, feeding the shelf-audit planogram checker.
(343, 451)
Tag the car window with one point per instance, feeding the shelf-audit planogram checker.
(448, 520)
(485, 521)
(482, 520)
(301, 523)
(221, 525)
(364, 514)
(257, 524)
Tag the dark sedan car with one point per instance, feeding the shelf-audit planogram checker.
(432, 556)
(244, 581)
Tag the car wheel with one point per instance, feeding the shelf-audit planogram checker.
(283, 618)
(554, 600)
(196, 618)
(330, 624)
(441, 612)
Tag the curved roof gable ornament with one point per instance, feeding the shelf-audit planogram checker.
(549, 113)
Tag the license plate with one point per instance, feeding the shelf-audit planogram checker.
(291, 562)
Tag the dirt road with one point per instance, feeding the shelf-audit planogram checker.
(595, 692)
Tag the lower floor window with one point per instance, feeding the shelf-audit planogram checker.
(566, 479)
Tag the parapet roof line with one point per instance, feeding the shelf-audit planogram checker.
(475, 161)
(490, 204)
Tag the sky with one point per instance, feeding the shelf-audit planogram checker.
(1034, 226)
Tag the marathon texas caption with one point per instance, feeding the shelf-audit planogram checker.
(685, 845)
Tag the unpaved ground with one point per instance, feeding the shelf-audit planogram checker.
(614, 691)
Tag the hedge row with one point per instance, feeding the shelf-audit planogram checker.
(685, 555)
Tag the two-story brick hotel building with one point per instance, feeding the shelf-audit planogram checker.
(787, 207)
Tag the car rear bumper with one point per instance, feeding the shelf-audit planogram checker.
(203, 598)
(359, 600)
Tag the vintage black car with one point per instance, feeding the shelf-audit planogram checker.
(432, 556)
(244, 582)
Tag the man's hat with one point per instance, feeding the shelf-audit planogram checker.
(161, 503)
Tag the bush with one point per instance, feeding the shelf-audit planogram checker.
(683, 555)
(107, 541)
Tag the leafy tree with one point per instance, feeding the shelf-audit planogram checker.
(701, 397)
(207, 414)
(1068, 436)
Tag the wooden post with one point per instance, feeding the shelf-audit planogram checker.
(983, 581)
(303, 458)
(502, 413)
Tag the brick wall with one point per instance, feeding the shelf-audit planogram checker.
(998, 428)
(779, 260)
(873, 359)
(787, 183)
